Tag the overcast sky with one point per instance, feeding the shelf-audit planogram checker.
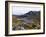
(19, 10)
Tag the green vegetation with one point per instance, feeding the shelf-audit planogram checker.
(34, 25)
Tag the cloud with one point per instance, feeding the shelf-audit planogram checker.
(19, 10)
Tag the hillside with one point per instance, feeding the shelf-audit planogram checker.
(30, 20)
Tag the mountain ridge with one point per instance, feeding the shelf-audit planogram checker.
(30, 13)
